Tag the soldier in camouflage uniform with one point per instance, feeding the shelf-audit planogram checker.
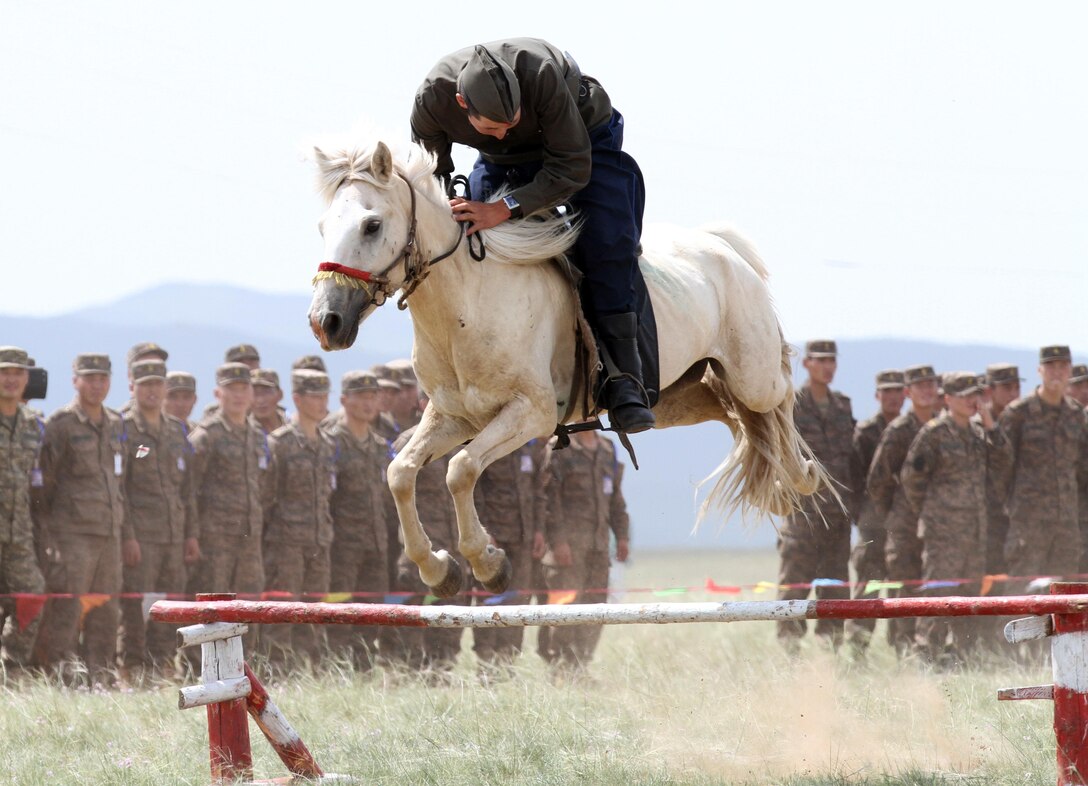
(230, 459)
(1046, 479)
(180, 397)
(145, 350)
(267, 414)
(82, 510)
(247, 355)
(1003, 381)
(311, 362)
(814, 542)
(868, 555)
(944, 479)
(21, 433)
(361, 505)
(433, 648)
(159, 535)
(585, 508)
(509, 498)
(298, 525)
(1078, 385)
(903, 549)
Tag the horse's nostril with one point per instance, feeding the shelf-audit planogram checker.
(331, 324)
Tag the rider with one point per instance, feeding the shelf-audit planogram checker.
(549, 134)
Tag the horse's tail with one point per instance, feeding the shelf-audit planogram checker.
(741, 245)
(770, 467)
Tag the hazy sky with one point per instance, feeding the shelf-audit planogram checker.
(914, 169)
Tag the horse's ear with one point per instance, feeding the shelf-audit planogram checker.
(320, 158)
(381, 163)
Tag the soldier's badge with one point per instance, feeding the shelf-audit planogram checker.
(142, 451)
(526, 463)
(118, 464)
(36, 478)
(332, 480)
(181, 463)
(607, 487)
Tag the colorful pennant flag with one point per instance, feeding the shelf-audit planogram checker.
(562, 597)
(88, 603)
(27, 608)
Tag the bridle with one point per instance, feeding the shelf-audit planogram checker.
(378, 285)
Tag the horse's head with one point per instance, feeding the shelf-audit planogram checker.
(368, 230)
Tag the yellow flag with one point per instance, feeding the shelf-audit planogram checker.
(88, 603)
(337, 597)
(562, 597)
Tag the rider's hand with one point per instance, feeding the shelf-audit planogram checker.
(192, 551)
(482, 215)
(130, 553)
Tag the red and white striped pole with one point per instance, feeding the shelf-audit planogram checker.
(1069, 655)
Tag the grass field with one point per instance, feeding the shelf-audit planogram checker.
(683, 704)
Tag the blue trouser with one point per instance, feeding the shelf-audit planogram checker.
(610, 206)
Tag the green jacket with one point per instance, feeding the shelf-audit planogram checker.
(559, 106)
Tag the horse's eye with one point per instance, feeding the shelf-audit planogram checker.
(373, 226)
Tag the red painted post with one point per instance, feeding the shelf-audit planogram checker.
(283, 738)
(228, 722)
(1069, 655)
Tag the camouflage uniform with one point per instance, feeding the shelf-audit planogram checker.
(585, 508)
(298, 524)
(868, 555)
(997, 520)
(181, 380)
(508, 499)
(903, 548)
(436, 648)
(160, 514)
(814, 542)
(83, 512)
(1044, 485)
(944, 479)
(20, 445)
(229, 462)
(360, 505)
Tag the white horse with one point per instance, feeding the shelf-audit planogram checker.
(495, 342)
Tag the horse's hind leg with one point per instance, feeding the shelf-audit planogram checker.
(517, 423)
(434, 437)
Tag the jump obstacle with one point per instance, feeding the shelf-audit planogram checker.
(230, 690)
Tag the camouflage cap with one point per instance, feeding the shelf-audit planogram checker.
(385, 377)
(356, 381)
(962, 383)
(312, 362)
(891, 378)
(306, 380)
(1055, 352)
(233, 372)
(13, 357)
(266, 377)
(914, 374)
(147, 371)
(821, 348)
(91, 364)
(999, 373)
(1080, 373)
(402, 372)
(145, 349)
(490, 86)
(242, 352)
(180, 380)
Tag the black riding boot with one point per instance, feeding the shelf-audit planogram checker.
(623, 393)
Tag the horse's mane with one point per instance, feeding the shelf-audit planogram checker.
(545, 235)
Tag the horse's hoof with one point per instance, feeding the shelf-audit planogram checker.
(453, 582)
(498, 583)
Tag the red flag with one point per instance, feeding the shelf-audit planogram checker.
(27, 608)
(712, 587)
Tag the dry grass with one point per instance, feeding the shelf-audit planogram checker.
(693, 704)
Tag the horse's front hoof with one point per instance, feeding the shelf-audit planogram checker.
(452, 583)
(500, 581)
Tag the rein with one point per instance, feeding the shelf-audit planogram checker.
(377, 285)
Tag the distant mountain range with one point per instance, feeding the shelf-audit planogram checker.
(196, 322)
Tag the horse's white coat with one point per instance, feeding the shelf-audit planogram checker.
(494, 343)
